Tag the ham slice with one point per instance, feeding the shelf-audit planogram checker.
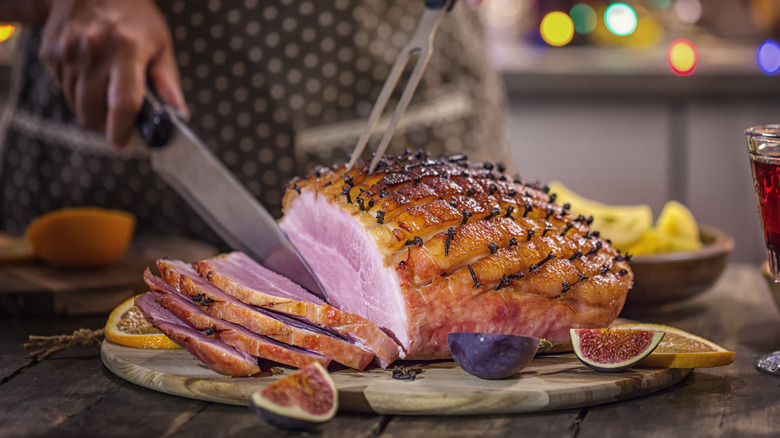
(240, 276)
(218, 356)
(229, 333)
(185, 280)
(427, 246)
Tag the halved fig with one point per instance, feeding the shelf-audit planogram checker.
(492, 356)
(302, 400)
(612, 350)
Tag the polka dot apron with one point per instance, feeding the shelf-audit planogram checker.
(274, 88)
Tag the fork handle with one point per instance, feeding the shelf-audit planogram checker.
(438, 4)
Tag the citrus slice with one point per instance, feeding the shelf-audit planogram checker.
(81, 237)
(680, 349)
(127, 326)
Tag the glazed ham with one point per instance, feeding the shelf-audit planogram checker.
(211, 299)
(424, 247)
(243, 278)
(217, 355)
(231, 334)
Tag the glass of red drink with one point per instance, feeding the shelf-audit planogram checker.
(764, 149)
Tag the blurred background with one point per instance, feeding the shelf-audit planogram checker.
(632, 102)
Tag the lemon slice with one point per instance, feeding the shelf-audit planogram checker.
(680, 349)
(127, 326)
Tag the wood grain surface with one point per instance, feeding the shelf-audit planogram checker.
(549, 382)
(72, 394)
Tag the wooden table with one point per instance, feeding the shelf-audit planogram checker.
(72, 394)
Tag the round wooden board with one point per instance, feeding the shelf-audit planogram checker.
(550, 382)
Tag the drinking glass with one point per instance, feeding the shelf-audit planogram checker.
(764, 150)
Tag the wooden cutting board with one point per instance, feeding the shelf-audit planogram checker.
(33, 288)
(549, 382)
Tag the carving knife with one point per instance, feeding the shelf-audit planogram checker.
(183, 161)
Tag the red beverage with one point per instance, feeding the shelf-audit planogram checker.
(766, 177)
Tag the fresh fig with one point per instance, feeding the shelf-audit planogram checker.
(302, 400)
(611, 350)
(492, 356)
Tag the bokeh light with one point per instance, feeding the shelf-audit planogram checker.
(584, 18)
(6, 30)
(683, 57)
(502, 13)
(768, 57)
(688, 11)
(557, 29)
(620, 19)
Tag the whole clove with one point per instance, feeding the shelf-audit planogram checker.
(417, 241)
(466, 215)
(477, 284)
(448, 240)
(530, 234)
(471, 191)
(509, 210)
(503, 282)
(569, 226)
(345, 192)
(380, 217)
(382, 193)
(405, 373)
(512, 241)
(493, 247)
(527, 209)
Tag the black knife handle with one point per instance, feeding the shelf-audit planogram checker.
(438, 4)
(154, 122)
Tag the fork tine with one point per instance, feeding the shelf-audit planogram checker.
(421, 42)
(381, 102)
(406, 97)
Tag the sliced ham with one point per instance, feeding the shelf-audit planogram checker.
(186, 280)
(229, 333)
(218, 356)
(240, 276)
(428, 246)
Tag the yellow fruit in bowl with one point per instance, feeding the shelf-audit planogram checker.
(631, 228)
(81, 237)
(622, 224)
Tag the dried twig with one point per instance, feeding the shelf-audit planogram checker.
(60, 342)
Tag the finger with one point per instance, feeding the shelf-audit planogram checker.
(90, 98)
(68, 85)
(164, 76)
(126, 85)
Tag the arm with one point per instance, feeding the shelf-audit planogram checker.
(101, 53)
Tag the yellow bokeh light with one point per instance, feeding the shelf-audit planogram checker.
(683, 56)
(557, 29)
(6, 30)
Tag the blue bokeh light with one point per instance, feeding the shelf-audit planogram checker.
(768, 57)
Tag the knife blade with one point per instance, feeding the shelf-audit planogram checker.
(185, 163)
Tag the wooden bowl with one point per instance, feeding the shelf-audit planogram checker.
(667, 278)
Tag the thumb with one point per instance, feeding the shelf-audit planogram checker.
(164, 77)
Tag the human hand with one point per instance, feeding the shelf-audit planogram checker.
(101, 52)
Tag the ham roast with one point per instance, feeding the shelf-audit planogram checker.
(428, 246)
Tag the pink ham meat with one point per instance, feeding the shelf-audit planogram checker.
(427, 246)
(240, 276)
(229, 333)
(185, 279)
(218, 356)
